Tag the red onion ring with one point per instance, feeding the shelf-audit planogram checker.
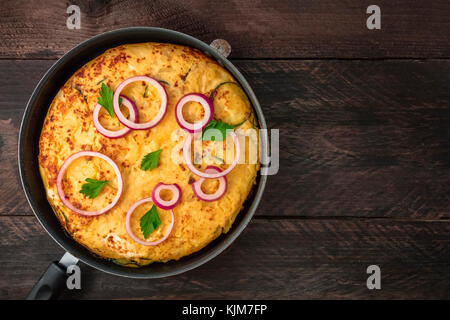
(130, 232)
(207, 106)
(62, 170)
(163, 204)
(162, 109)
(119, 133)
(223, 185)
(187, 158)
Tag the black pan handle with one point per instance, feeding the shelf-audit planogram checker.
(51, 283)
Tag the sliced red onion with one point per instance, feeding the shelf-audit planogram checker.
(63, 169)
(160, 202)
(162, 108)
(119, 133)
(198, 125)
(133, 236)
(223, 185)
(187, 158)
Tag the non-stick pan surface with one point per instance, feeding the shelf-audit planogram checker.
(32, 124)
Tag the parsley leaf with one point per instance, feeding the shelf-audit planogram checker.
(92, 188)
(106, 99)
(221, 126)
(150, 160)
(149, 222)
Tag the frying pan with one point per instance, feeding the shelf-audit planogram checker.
(53, 280)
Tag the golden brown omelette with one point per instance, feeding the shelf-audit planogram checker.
(69, 128)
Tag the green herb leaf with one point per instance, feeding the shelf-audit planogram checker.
(92, 188)
(221, 126)
(150, 160)
(214, 92)
(145, 91)
(163, 81)
(80, 92)
(219, 159)
(106, 99)
(149, 222)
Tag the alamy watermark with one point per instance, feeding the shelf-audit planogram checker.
(374, 20)
(74, 277)
(74, 20)
(374, 280)
(212, 147)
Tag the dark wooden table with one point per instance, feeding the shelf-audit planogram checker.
(364, 119)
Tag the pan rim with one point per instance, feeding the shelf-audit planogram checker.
(128, 271)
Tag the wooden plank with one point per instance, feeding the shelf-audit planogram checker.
(255, 29)
(17, 86)
(273, 259)
(358, 138)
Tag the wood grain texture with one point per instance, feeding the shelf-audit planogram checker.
(255, 28)
(273, 259)
(358, 138)
(364, 151)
